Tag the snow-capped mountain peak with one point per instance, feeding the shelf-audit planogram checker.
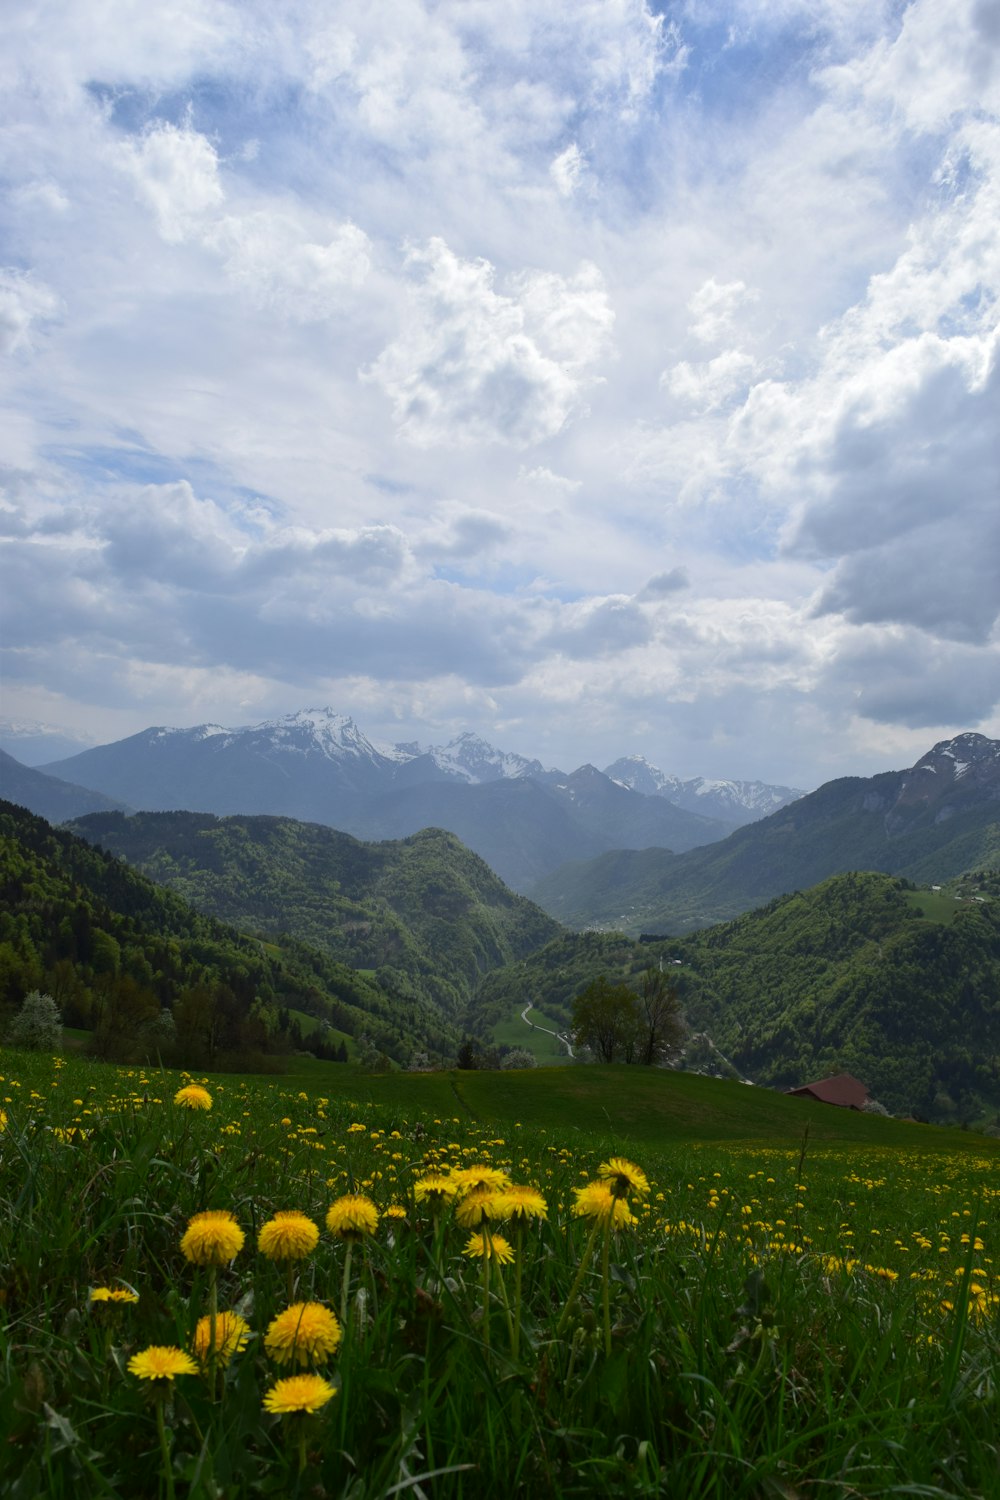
(473, 759)
(967, 757)
(734, 802)
(325, 732)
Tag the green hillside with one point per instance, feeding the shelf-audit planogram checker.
(852, 975)
(116, 950)
(424, 913)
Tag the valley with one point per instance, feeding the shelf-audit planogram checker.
(853, 929)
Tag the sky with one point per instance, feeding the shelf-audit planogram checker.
(600, 377)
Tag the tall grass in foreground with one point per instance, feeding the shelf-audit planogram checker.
(760, 1322)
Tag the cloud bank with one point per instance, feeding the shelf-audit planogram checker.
(597, 382)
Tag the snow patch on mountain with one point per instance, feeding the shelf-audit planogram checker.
(199, 732)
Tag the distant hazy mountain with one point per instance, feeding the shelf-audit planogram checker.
(34, 744)
(46, 796)
(318, 766)
(736, 802)
(931, 822)
(524, 828)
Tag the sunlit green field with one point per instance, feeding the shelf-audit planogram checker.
(782, 1313)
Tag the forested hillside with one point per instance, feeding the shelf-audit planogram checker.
(862, 973)
(425, 913)
(115, 950)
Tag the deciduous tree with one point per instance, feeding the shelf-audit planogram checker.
(604, 1019)
(659, 1022)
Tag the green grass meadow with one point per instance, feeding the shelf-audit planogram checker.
(805, 1302)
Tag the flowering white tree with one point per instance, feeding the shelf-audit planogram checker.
(38, 1024)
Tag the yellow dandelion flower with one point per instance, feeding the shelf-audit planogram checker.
(112, 1294)
(395, 1211)
(289, 1235)
(435, 1189)
(352, 1217)
(231, 1335)
(212, 1238)
(471, 1179)
(305, 1332)
(193, 1096)
(480, 1206)
(623, 1177)
(161, 1363)
(493, 1246)
(306, 1393)
(597, 1201)
(523, 1203)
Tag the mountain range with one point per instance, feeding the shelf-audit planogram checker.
(936, 820)
(318, 766)
(736, 802)
(832, 968)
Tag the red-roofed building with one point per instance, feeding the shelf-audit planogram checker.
(842, 1089)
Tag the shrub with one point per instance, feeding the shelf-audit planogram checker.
(518, 1057)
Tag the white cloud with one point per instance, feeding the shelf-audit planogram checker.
(41, 194)
(548, 480)
(477, 366)
(464, 534)
(567, 170)
(941, 64)
(25, 303)
(176, 173)
(711, 384)
(599, 628)
(714, 308)
(265, 254)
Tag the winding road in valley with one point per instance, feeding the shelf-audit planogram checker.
(559, 1036)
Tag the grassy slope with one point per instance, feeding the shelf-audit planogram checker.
(632, 1107)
